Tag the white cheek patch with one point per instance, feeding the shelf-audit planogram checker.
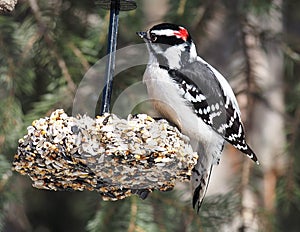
(156, 48)
(173, 53)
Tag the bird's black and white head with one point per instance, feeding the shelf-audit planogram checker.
(169, 45)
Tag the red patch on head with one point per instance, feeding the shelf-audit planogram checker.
(182, 33)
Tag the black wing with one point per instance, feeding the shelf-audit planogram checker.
(201, 89)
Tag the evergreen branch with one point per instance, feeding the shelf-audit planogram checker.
(49, 41)
(266, 102)
(181, 7)
(291, 53)
(206, 13)
(80, 56)
(30, 44)
(5, 173)
(293, 141)
(63, 66)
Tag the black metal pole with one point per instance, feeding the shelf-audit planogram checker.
(111, 51)
(115, 6)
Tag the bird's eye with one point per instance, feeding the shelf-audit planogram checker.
(153, 37)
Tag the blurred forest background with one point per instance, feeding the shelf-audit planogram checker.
(47, 46)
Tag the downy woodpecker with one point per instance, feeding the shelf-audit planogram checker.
(189, 92)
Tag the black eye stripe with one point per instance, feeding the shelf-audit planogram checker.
(169, 40)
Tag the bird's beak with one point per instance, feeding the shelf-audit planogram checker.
(142, 34)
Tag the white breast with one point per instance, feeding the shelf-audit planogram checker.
(170, 104)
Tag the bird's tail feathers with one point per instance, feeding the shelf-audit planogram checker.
(200, 179)
(246, 149)
(250, 153)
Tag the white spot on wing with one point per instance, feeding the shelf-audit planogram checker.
(189, 97)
